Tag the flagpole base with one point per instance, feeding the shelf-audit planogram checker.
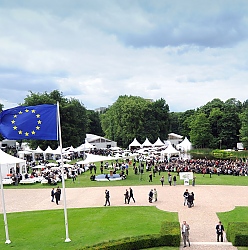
(67, 240)
(7, 242)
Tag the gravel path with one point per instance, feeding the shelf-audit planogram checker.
(202, 217)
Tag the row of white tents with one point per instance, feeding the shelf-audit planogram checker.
(185, 145)
(49, 151)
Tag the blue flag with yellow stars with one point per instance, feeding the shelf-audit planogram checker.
(30, 123)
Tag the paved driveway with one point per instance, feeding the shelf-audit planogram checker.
(202, 217)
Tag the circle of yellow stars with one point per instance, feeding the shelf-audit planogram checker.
(26, 133)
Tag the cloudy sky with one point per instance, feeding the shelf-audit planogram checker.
(187, 52)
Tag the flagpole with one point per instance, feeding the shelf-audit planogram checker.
(67, 239)
(4, 211)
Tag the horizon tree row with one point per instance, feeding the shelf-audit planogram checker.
(217, 124)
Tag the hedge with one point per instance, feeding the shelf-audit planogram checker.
(237, 233)
(169, 236)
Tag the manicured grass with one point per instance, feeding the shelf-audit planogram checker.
(135, 180)
(239, 214)
(87, 226)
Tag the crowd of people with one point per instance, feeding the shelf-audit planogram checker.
(235, 167)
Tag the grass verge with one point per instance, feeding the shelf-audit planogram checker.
(87, 226)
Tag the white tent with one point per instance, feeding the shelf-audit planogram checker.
(90, 158)
(84, 147)
(169, 151)
(48, 150)
(134, 144)
(185, 145)
(8, 162)
(146, 143)
(158, 143)
(57, 151)
(68, 149)
(38, 150)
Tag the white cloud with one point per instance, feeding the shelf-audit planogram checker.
(185, 52)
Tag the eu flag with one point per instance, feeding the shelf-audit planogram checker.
(30, 123)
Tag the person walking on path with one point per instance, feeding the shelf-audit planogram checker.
(162, 181)
(219, 231)
(52, 194)
(150, 196)
(59, 192)
(126, 195)
(185, 233)
(107, 197)
(131, 195)
(155, 194)
(57, 196)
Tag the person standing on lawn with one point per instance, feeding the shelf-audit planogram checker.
(169, 178)
(174, 180)
(162, 181)
(150, 177)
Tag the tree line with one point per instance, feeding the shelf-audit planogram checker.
(217, 124)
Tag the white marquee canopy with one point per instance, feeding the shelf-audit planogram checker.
(8, 162)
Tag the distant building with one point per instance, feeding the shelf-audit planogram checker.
(175, 139)
(240, 146)
(99, 141)
(100, 110)
(8, 143)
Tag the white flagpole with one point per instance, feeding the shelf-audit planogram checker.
(4, 211)
(67, 239)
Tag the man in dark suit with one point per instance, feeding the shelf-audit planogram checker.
(131, 195)
(107, 196)
(126, 196)
(52, 194)
(57, 197)
(59, 192)
(219, 231)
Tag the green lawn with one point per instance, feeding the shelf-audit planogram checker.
(239, 214)
(87, 226)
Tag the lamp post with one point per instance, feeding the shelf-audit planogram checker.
(220, 144)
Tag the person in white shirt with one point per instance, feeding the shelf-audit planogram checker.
(185, 233)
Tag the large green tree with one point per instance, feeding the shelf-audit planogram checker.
(94, 123)
(73, 118)
(132, 116)
(200, 134)
(230, 123)
(244, 128)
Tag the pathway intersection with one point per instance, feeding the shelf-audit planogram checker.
(202, 217)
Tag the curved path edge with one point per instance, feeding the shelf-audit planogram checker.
(202, 217)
